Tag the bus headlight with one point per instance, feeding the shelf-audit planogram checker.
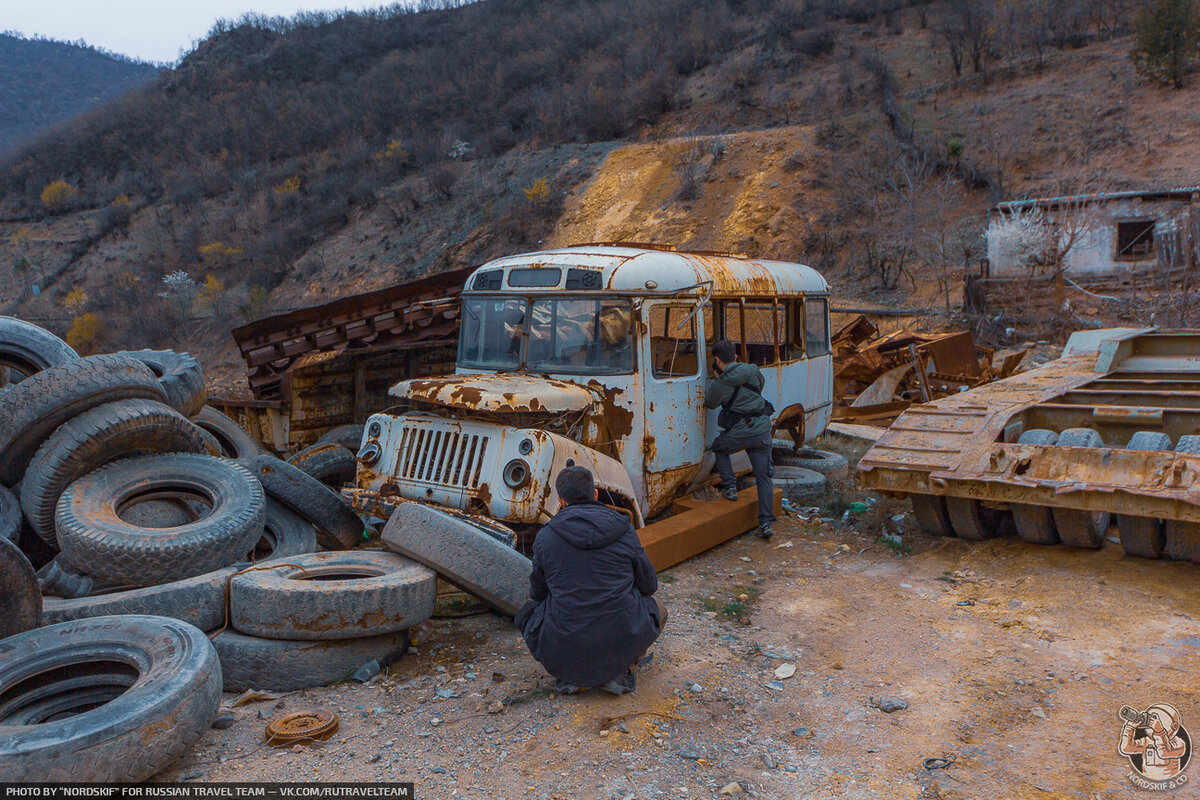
(516, 473)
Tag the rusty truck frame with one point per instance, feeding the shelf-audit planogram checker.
(1110, 428)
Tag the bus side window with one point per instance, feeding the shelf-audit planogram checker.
(816, 326)
(758, 336)
(791, 330)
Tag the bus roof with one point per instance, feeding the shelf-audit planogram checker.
(642, 269)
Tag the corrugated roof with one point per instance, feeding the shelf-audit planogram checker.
(1180, 193)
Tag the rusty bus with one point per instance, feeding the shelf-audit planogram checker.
(597, 356)
(1110, 430)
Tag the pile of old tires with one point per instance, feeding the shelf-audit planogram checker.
(134, 519)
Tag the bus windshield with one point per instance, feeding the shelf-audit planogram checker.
(560, 335)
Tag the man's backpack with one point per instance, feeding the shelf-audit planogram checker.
(728, 417)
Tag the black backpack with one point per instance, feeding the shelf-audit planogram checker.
(728, 417)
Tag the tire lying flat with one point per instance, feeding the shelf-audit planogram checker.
(459, 549)
(35, 407)
(280, 665)
(92, 533)
(94, 438)
(826, 462)
(168, 676)
(200, 600)
(338, 595)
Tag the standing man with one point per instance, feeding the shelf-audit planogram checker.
(746, 425)
(592, 613)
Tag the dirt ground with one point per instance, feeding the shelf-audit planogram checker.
(1021, 687)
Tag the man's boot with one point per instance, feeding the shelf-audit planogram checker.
(621, 685)
(729, 492)
(765, 530)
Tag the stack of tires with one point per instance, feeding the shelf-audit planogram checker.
(129, 511)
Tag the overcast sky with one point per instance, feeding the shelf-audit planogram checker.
(150, 30)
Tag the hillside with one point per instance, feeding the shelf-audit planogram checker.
(287, 163)
(45, 82)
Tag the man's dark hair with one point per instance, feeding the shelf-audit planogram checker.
(575, 485)
(725, 351)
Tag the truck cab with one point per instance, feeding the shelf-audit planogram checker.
(596, 356)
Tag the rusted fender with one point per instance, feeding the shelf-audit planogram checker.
(497, 392)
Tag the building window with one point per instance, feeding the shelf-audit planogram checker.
(1135, 239)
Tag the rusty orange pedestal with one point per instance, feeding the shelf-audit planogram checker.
(699, 525)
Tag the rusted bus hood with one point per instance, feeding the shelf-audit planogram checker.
(498, 392)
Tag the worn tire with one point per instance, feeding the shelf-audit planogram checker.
(1143, 536)
(20, 595)
(1181, 540)
(36, 406)
(91, 532)
(931, 514)
(170, 682)
(281, 665)
(459, 549)
(10, 516)
(348, 436)
(181, 377)
(1034, 523)
(1078, 528)
(338, 527)
(235, 443)
(798, 484)
(826, 462)
(61, 580)
(380, 593)
(285, 534)
(29, 349)
(95, 438)
(973, 520)
(331, 464)
(200, 600)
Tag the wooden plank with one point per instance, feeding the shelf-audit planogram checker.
(701, 526)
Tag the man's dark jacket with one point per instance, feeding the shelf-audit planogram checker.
(591, 612)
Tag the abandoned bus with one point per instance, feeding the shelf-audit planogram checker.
(596, 356)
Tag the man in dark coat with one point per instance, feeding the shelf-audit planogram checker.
(591, 614)
(737, 389)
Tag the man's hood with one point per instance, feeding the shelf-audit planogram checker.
(498, 392)
(738, 373)
(589, 526)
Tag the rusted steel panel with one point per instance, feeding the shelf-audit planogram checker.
(968, 449)
(700, 526)
(422, 311)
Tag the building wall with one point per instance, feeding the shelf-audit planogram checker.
(1094, 254)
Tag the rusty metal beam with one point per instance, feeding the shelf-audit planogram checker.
(700, 526)
(409, 314)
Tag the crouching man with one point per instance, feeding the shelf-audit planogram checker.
(592, 614)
